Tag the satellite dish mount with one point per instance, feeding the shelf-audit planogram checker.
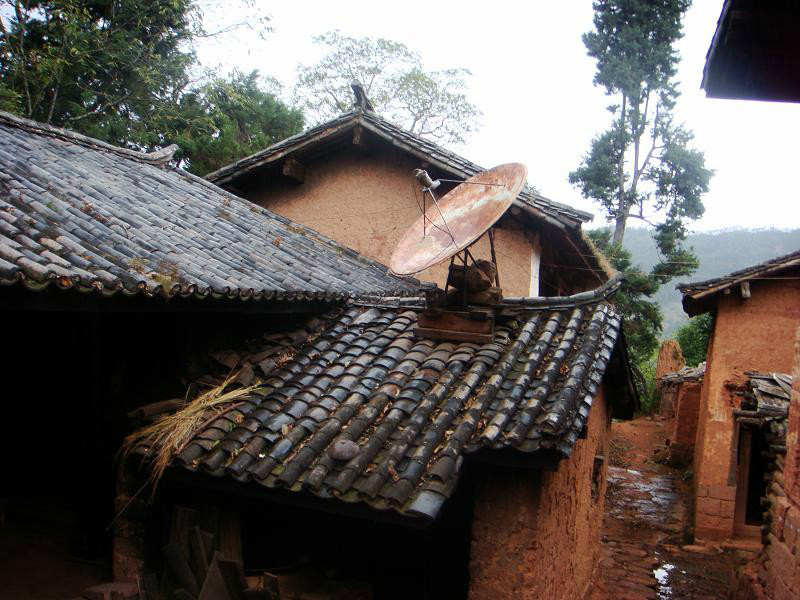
(464, 310)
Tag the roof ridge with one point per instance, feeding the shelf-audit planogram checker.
(520, 303)
(382, 126)
(158, 157)
(770, 263)
(268, 150)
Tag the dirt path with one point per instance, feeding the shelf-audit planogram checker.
(644, 530)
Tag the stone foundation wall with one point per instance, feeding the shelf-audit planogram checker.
(537, 535)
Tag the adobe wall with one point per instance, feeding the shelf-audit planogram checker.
(756, 334)
(775, 575)
(684, 425)
(670, 358)
(538, 536)
(667, 399)
(367, 202)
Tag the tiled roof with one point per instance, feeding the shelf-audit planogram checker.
(80, 213)
(412, 143)
(403, 411)
(686, 374)
(767, 396)
(694, 291)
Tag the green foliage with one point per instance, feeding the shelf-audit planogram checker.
(693, 338)
(647, 393)
(124, 71)
(642, 315)
(227, 119)
(430, 103)
(104, 68)
(642, 167)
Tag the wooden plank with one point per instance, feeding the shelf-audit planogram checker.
(230, 536)
(233, 575)
(149, 589)
(225, 580)
(183, 519)
(460, 336)
(358, 136)
(260, 594)
(457, 321)
(198, 559)
(178, 561)
(294, 170)
(208, 543)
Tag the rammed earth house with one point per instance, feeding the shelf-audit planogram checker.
(349, 448)
(118, 275)
(756, 314)
(474, 470)
(351, 179)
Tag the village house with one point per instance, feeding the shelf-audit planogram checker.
(351, 179)
(118, 275)
(351, 448)
(753, 55)
(756, 314)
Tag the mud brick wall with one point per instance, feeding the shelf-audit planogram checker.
(756, 334)
(670, 358)
(668, 395)
(779, 574)
(687, 410)
(368, 201)
(537, 535)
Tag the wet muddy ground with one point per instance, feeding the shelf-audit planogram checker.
(647, 551)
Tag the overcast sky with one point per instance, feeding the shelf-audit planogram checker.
(533, 81)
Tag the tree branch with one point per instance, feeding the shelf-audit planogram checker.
(653, 148)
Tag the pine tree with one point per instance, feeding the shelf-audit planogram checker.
(642, 166)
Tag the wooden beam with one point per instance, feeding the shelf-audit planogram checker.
(745, 287)
(294, 170)
(358, 136)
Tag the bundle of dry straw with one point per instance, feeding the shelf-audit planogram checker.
(167, 437)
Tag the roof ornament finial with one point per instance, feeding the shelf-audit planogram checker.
(362, 101)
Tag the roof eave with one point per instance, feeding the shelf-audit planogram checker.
(713, 49)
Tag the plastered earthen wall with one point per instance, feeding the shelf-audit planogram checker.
(775, 574)
(368, 201)
(667, 399)
(670, 358)
(756, 334)
(687, 410)
(539, 538)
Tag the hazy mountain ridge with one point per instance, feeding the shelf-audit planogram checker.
(720, 252)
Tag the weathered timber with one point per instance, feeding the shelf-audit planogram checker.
(230, 536)
(294, 170)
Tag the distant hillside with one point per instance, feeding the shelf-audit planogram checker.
(720, 252)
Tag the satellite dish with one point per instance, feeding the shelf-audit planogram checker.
(462, 216)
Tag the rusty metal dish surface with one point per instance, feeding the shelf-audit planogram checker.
(469, 211)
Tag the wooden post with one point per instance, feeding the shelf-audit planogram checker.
(294, 170)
